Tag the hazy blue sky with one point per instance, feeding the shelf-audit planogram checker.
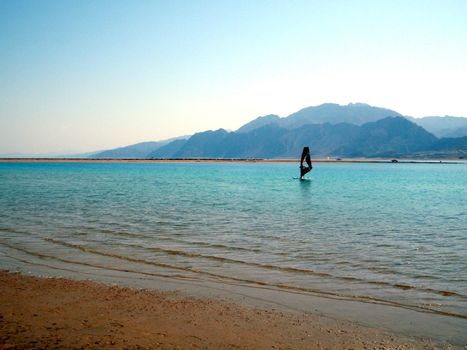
(89, 75)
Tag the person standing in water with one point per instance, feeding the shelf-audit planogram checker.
(305, 157)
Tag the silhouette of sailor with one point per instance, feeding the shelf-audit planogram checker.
(305, 157)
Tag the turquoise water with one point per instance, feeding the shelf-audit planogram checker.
(389, 233)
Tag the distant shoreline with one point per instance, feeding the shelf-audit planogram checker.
(224, 160)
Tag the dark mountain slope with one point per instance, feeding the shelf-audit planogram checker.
(139, 150)
(204, 144)
(265, 142)
(388, 137)
(169, 150)
(393, 136)
(323, 139)
(450, 143)
(353, 130)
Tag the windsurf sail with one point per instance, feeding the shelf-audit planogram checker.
(307, 159)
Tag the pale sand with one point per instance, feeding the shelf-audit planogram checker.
(48, 313)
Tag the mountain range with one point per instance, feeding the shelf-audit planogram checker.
(139, 150)
(354, 130)
(353, 113)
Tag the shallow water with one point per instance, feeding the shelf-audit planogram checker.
(386, 233)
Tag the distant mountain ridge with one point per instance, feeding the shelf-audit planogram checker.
(260, 122)
(358, 114)
(353, 130)
(446, 126)
(353, 113)
(140, 150)
(388, 137)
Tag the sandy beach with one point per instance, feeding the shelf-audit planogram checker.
(54, 313)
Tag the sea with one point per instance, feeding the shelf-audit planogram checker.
(394, 234)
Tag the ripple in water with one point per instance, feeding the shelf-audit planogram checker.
(384, 233)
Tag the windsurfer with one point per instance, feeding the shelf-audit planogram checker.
(305, 157)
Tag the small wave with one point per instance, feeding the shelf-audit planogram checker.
(74, 262)
(264, 266)
(12, 230)
(194, 255)
(404, 286)
(291, 288)
(50, 266)
(212, 245)
(195, 243)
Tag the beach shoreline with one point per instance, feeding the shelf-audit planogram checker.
(38, 312)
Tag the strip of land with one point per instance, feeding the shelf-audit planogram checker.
(222, 160)
(53, 313)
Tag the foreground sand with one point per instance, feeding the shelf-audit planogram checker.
(58, 313)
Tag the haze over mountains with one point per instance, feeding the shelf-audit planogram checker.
(139, 150)
(354, 130)
(443, 126)
(354, 113)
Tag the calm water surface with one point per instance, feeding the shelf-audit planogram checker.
(390, 233)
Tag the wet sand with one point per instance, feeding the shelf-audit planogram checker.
(57, 313)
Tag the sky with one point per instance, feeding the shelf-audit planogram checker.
(80, 76)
